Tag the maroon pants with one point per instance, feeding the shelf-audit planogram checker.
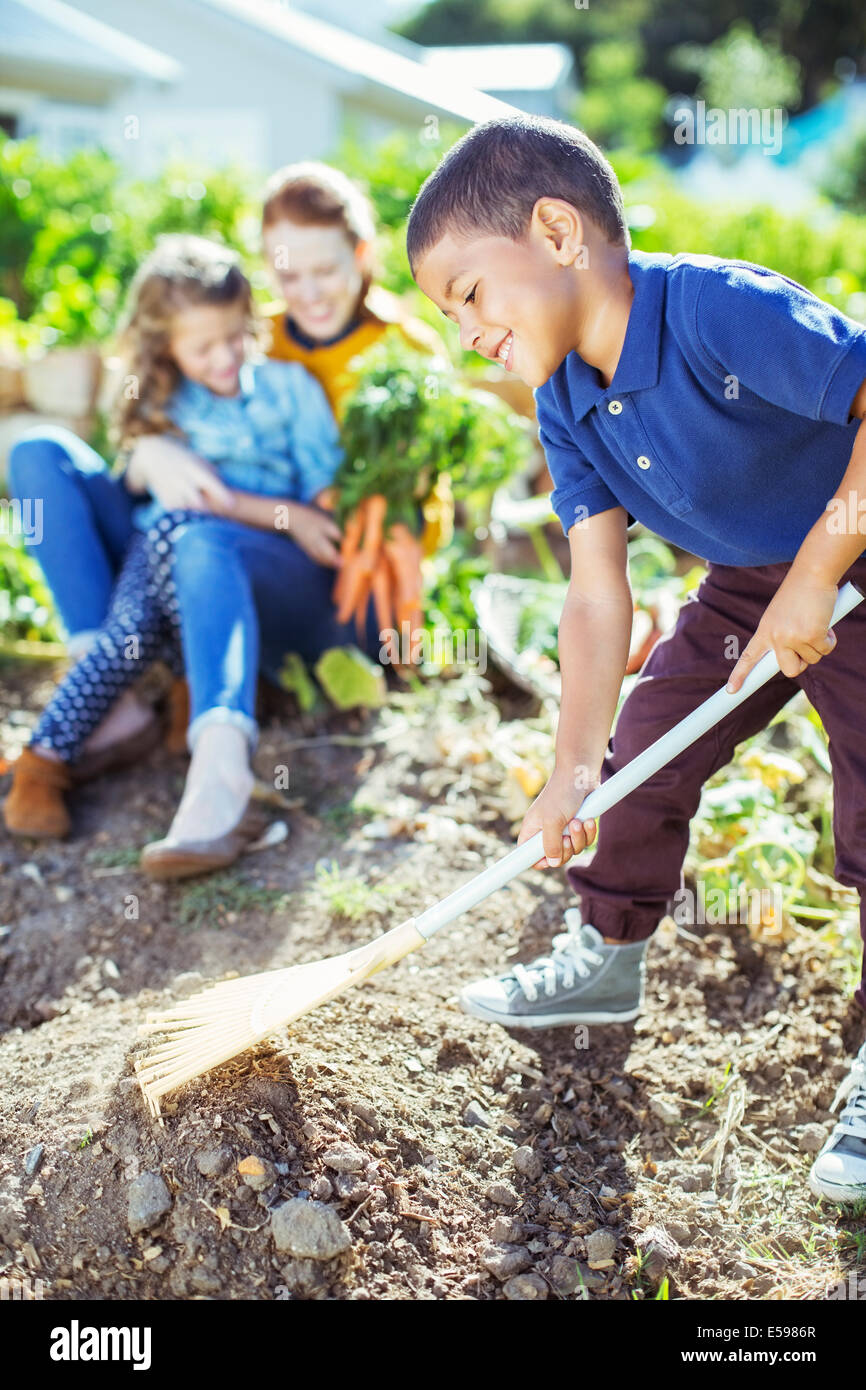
(637, 869)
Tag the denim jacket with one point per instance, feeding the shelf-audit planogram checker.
(277, 437)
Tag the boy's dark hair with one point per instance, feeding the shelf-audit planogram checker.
(492, 178)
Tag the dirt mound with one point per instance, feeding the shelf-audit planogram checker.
(389, 1146)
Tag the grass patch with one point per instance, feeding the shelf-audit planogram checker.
(126, 857)
(345, 895)
(344, 814)
(210, 902)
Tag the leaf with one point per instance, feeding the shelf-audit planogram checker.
(295, 678)
(350, 679)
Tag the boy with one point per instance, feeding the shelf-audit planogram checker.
(719, 404)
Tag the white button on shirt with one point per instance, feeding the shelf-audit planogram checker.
(615, 407)
(643, 461)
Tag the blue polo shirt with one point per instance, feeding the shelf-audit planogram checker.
(726, 428)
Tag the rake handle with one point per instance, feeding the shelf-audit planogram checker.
(617, 786)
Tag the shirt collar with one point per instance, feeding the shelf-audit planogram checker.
(310, 344)
(638, 366)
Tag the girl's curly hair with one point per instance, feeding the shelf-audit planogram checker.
(181, 271)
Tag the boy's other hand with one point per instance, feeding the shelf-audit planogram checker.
(552, 812)
(795, 625)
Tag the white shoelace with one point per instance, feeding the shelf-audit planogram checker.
(570, 957)
(852, 1121)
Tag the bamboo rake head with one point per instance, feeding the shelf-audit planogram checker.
(225, 1019)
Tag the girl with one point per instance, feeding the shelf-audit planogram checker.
(264, 448)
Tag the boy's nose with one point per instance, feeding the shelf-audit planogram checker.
(469, 337)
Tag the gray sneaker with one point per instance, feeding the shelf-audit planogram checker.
(581, 981)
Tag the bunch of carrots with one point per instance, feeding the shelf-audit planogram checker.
(384, 562)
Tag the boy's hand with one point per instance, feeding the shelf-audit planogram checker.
(316, 532)
(552, 813)
(796, 625)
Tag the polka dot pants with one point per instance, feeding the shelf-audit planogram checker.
(142, 627)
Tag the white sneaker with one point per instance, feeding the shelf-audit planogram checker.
(839, 1171)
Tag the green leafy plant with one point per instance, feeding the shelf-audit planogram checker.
(411, 417)
(27, 611)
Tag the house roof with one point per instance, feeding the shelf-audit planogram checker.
(503, 67)
(399, 66)
(53, 34)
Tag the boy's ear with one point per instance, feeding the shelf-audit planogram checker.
(561, 225)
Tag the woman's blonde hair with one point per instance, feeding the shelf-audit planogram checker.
(182, 271)
(311, 194)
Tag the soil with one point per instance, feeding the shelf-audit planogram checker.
(667, 1158)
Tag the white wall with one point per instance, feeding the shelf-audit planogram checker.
(241, 93)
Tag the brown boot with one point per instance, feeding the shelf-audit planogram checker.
(178, 717)
(35, 805)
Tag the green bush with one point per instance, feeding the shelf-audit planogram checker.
(72, 233)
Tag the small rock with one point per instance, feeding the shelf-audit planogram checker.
(110, 969)
(475, 1114)
(149, 1200)
(502, 1193)
(660, 1251)
(666, 1110)
(308, 1230)
(186, 983)
(507, 1230)
(33, 1159)
(590, 1278)
(302, 1277)
(679, 1232)
(741, 1270)
(345, 1158)
(366, 1114)
(63, 893)
(347, 1185)
(258, 1173)
(322, 1189)
(563, 1274)
(213, 1161)
(203, 1281)
(525, 1288)
(600, 1248)
(504, 1261)
(698, 1180)
(528, 1162)
(811, 1139)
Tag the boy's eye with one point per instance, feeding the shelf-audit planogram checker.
(470, 298)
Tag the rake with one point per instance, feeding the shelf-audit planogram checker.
(226, 1019)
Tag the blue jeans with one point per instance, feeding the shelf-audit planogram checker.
(86, 523)
(246, 597)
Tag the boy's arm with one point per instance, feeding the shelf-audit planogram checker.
(594, 637)
(796, 623)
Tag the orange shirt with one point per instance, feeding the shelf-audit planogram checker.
(329, 363)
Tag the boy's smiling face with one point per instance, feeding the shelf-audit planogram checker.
(513, 301)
